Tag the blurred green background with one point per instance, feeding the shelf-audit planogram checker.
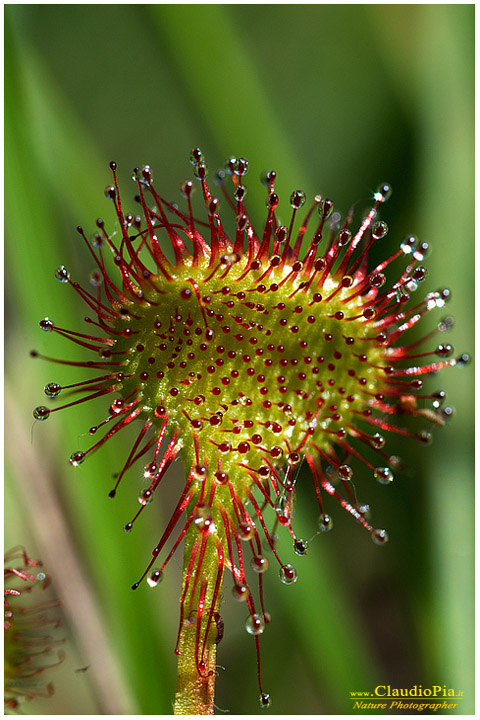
(336, 99)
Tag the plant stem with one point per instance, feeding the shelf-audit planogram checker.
(195, 691)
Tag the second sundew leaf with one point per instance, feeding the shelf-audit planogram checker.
(244, 356)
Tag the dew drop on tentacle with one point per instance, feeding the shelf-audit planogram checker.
(203, 519)
(422, 251)
(444, 351)
(200, 170)
(259, 563)
(446, 324)
(267, 177)
(241, 166)
(187, 188)
(325, 522)
(95, 278)
(377, 441)
(300, 547)
(377, 280)
(145, 497)
(408, 244)
(41, 413)
(463, 360)
(255, 624)
(345, 472)
(240, 592)
(383, 192)
(297, 199)
(344, 237)
(46, 324)
(196, 156)
(380, 537)
(288, 574)
(241, 222)
(77, 458)
(240, 193)
(155, 578)
(364, 509)
(383, 475)
(264, 700)
(424, 437)
(147, 173)
(379, 230)
(52, 390)
(245, 531)
(325, 207)
(62, 274)
(281, 234)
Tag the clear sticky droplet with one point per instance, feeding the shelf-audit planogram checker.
(241, 166)
(245, 531)
(145, 497)
(203, 519)
(196, 156)
(241, 222)
(200, 170)
(383, 192)
(240, 592)
(424, 437)
(155, 578)
(344, 237)
(379, 230)
(254, 624)
(377, 441)
(77, 458)
(396, 462)
(300, 547)
(240, 193)
(446, 324)
(288, 574)
(293, 458)
(264, 700)
(423, 249)
(41, 413)
(96, 240)
(444, 350)
(325, 522)
(345, 472)
(364, 509)
(259, 563)
(149, 471)
(297, 199)
(95, 278)
(377, 280)
(408, 244)
(380, 537)
(46, 324)
(383, 475)
(325, 207)
(62, 274)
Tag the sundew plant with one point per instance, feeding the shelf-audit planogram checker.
(245, 355)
